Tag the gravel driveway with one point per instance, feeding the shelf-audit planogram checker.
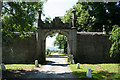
(55, 68)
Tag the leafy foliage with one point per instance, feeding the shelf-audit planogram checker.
(92, 16)
(48, 19)
(115, 38)
(61, 42)
(19, 17)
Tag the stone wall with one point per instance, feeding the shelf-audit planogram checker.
(20, 50)
(93, 48)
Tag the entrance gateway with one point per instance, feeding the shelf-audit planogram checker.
(56, 26)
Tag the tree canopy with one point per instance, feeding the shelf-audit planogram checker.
(61, 42)
(115, 38)
(19, 17)
(92, 16)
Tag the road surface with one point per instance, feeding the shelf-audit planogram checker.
(55, 68)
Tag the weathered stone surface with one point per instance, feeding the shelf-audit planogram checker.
(3, 67)
(29, 52)
(78, 65)
(89, 47)
(20, 50)
(93, 48)
(36, 63)
(55, 24)
(73, 62)
(89, 74)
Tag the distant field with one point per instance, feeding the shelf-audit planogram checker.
(99, 71)
(62, 54)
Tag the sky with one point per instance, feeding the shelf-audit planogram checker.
(55, 8)
(50, 41)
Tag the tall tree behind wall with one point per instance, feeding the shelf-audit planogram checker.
(92, 16)
(19, 17)
(61, 42)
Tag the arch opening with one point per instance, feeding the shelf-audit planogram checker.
(56, 42)
(44, 33)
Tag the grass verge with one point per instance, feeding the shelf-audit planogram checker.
(49, 54)
(99, 71)
(19, 66)
(62, 54)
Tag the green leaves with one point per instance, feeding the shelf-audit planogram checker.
(48, 19)
(92, 16)
(22, 13)
(19, 17)
(115, 38)
(84, 20)
(61, 42)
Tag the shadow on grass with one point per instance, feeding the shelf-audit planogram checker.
(98, 76)
(33, 75)
(14, 74)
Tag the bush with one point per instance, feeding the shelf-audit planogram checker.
(115, 38)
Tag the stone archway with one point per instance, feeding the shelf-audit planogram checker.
(56, 26)
(59, 32)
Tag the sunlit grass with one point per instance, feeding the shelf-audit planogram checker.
(62, 54)
(19, 66)
(50, 54)
(99, 71)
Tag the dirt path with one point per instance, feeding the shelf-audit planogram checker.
(56, 68)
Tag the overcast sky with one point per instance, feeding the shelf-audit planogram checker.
(56, 8)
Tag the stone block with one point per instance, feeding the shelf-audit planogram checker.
(3, 67)
(89, 75)
(36, 63)
(78, 65)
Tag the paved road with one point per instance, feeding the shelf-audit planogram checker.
(55, 68)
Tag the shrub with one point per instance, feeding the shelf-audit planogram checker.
(115, 38)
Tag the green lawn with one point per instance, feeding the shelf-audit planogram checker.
(62, 54)
(50, 54)
(19, 66)
(58, 53)
(99, 71)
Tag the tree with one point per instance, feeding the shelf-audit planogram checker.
(48, 51)
(107, 14)
(84, 19)
(48, 19)
(61, 42)
(115, 38)
(92, 16)
(19, 17)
